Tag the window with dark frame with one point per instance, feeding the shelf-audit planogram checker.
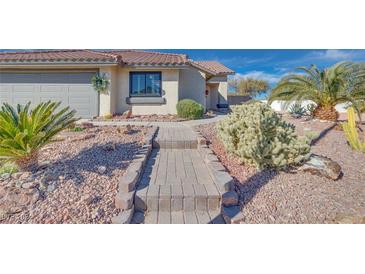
(144, 84)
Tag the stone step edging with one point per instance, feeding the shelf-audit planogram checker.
(124, 199)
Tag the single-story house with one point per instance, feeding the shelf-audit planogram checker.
(141, 81)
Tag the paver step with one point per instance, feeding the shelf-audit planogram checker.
(175, 138)
(179, 217)
(175, 144)
(187, 197)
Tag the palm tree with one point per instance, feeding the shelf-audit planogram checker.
(344, 82)
(24, 131)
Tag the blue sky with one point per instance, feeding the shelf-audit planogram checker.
(268, 64)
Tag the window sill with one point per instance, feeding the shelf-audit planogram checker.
(145, 100)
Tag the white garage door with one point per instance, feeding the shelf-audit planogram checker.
(73, 89)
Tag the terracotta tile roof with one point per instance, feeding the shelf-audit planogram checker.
(212, 67)
(122, 57)
(136, 57)
(65, 56)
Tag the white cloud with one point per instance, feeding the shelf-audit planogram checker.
(333, 54)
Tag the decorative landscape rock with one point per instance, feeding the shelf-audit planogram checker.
(51, 187)
(101, 169)
(232, 214)
(201, 140)
(124, 217)
(128, 181)
(322, 166)
(124, 200)
(81, 194)
(230, 198)
(5, 176)
(29, 185)
(109, 146)
(44, 164)
(14, 200)
(127, 114)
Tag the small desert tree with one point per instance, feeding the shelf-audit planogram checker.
(248, 86)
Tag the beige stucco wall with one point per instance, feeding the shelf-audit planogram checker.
(170, 86)
(177, 84)
(223, 91)
(108, 100)
(192, 85)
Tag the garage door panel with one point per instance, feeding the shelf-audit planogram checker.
(5, 93)
(22, 94)
(24, 88)
(5, 88)
(72, 90)
(81, 89)
(52, 88)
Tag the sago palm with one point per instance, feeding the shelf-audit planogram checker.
(341, 83)
(23, 131)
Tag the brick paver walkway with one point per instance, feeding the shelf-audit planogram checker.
(176, 186)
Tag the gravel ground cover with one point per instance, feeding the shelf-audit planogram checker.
(77, 179)
(279, 197)
(150, 118)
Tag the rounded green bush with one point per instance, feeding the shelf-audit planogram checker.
(189, 109)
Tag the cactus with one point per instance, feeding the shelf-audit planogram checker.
(259, 136)
(296, 110)
(351, 133)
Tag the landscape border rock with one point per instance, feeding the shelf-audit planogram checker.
(230, 209)
(124, 199)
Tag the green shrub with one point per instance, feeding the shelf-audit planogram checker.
(77, 129)
(311, 108)
(258, 136)
(189, 109)
(8, 168)
(24, 131)
(296, 110)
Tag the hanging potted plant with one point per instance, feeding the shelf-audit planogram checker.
(100, 82)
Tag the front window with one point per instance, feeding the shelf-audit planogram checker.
(145, 83)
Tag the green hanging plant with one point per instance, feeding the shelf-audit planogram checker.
(100, 82)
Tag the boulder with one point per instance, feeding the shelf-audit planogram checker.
(322, 166)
